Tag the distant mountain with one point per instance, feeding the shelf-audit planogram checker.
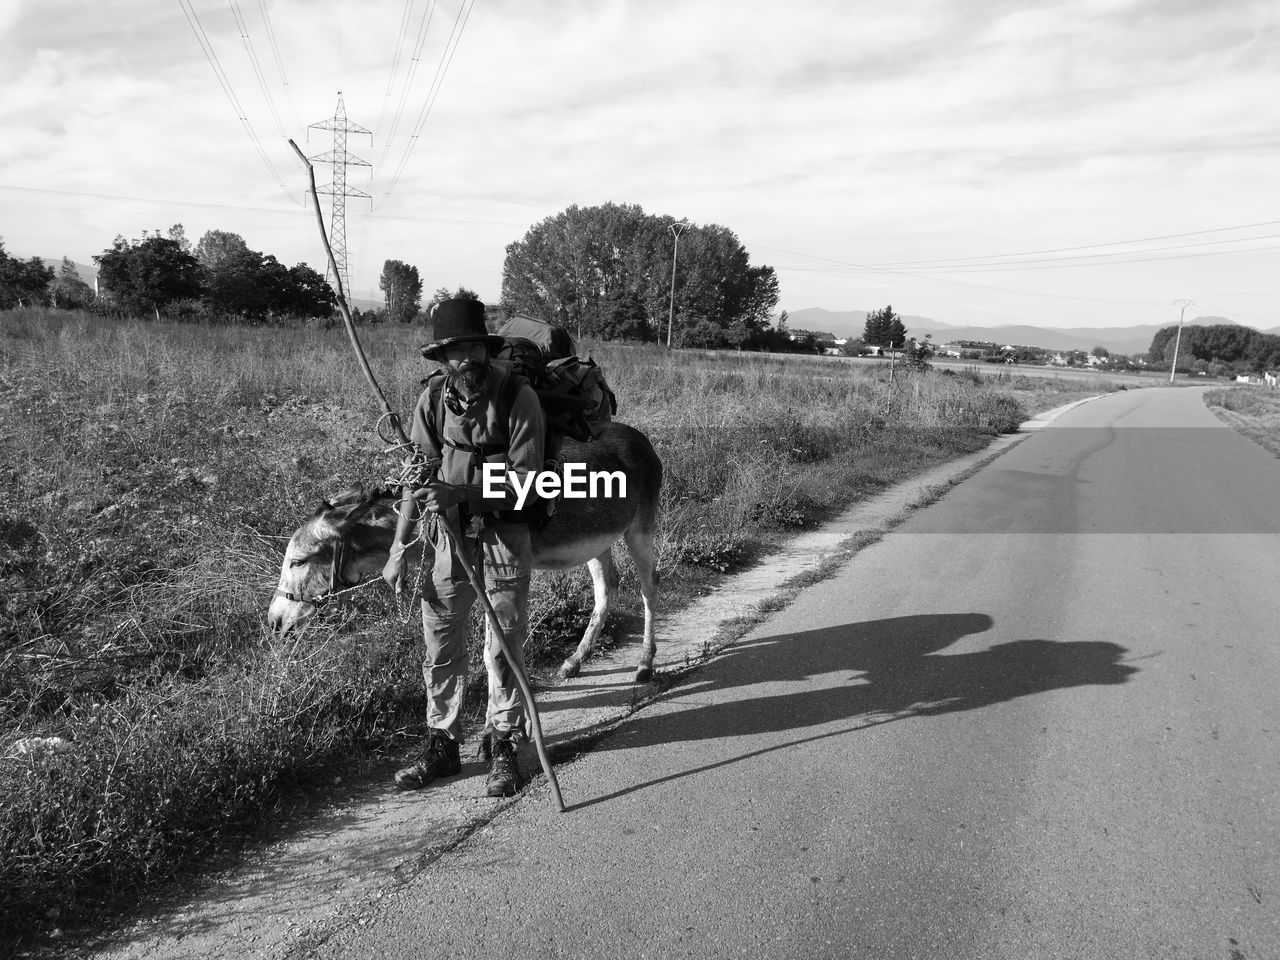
(848, 323)
(1134, 339)
(88, 272)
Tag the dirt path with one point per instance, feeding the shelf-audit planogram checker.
(299, 890)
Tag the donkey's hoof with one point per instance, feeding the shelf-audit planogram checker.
(569, 669)
(644, 675)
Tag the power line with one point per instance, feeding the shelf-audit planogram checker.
(455, 37)
(844, 266)
(215, 64)
(257, 66)
(1018, 268)
(275, 52)
(864, 268)
(1056, 263)
(288, 211)
(414, 60)
(395, 62)
(1087, 246)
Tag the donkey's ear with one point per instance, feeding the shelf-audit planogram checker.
(342, 504)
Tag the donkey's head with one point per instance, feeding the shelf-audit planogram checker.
(347, 539)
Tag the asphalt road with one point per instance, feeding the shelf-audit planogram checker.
(1037, 720)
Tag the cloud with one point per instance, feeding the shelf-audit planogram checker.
(851, 130)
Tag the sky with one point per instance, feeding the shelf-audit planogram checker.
(976, 162)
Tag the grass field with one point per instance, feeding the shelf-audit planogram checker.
(1253, 411)
(152, 474)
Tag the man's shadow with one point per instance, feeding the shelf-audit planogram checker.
(870, 673)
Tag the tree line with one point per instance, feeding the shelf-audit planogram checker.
(610, 271)
(24, 282)
(221, 279)
(1220, 346)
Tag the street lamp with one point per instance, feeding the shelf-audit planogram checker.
(675, 228)
(1178, 341)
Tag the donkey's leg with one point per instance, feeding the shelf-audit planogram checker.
(604, 581)
(640, 542)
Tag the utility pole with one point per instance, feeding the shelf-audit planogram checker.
(676, 230)
(340, 160)
(1178, 342)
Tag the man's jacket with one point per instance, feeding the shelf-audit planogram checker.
(505, 426)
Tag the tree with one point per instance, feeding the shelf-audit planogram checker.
(607, 271)
(443, 293)
(920, 352)
(67, 290)
(1225, 342)
(403, 288)
(232, 275)
(884, 328)
(702, 333)
(308, 295)
(144, 275)
(1102, 352)
(245, 284)
(622, 317)
(178, 234)
(23, 282)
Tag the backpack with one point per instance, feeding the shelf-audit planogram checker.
(575, 397)
(576, 401)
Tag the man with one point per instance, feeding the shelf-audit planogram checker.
(476, 412)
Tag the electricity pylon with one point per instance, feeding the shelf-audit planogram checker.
(340, 160)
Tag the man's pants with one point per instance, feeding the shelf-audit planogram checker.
(507, 559)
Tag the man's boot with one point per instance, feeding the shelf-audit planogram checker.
(439, 759)
(504, 773)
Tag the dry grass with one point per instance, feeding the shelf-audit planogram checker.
(1253, 411)
(152, 474)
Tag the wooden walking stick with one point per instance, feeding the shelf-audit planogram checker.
(342, 304)
(448, 520)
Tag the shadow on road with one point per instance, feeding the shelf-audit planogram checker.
(871, 673)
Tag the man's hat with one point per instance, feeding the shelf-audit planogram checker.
(458, 321)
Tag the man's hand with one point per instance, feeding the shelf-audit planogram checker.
(439, 496)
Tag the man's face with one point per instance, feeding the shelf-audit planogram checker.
(456, 354)
(468, 364)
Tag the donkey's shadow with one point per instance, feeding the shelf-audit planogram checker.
(870, 673)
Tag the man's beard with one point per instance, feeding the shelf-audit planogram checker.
(465, 385)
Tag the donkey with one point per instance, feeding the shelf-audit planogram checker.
(349, 538)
